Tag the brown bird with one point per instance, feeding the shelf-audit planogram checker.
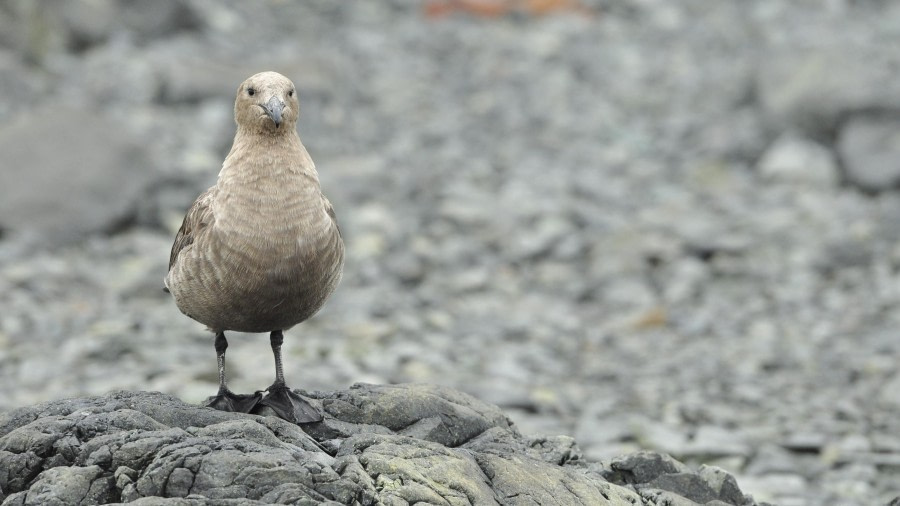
(261, 250)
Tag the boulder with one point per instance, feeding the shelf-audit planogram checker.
(86, 175)
(378, 444)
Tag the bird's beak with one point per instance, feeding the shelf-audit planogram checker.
(273, 108)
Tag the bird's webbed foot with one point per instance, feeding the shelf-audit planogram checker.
(226, 400)
(290, 406)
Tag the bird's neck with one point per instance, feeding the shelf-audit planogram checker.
(257, 156)
(265, 176)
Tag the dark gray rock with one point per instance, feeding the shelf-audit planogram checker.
(400, 444)
(641, 467)
(661, 477)
(68, 186)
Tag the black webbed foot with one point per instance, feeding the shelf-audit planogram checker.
(229, 401)
(289, 405)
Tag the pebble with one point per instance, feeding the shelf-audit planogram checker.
(798, 160)
(869, 150)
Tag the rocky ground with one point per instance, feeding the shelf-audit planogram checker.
(660, 225)
(384, 445)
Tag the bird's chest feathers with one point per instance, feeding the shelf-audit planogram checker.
(273, 220)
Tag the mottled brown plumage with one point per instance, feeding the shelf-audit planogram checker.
(261, 250)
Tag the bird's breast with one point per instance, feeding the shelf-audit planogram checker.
(272, 276)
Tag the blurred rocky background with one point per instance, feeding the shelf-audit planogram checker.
(648, 224)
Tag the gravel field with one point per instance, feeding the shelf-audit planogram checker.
(655, 224)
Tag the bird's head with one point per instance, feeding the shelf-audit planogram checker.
(267, 102)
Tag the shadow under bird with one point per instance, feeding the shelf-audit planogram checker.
(261, 250)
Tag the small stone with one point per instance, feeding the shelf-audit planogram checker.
(805, 442)
(712, 440)
(772, 459)
(889, 394)
(407, 266)
(870, 151)
(854, 443)
(797, 160)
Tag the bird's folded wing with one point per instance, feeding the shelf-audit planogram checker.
(330, 210)
(198, 217)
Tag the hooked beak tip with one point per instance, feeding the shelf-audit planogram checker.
(273, 109)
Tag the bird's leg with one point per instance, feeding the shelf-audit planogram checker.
(287, 404)
(225, 399)
(221, 346)
(276, 339)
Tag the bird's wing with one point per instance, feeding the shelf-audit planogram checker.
(198, 217)
(330, 210)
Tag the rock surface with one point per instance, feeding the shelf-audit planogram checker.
(400, 444)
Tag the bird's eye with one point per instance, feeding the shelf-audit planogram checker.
(291, 93)
(251, 91)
